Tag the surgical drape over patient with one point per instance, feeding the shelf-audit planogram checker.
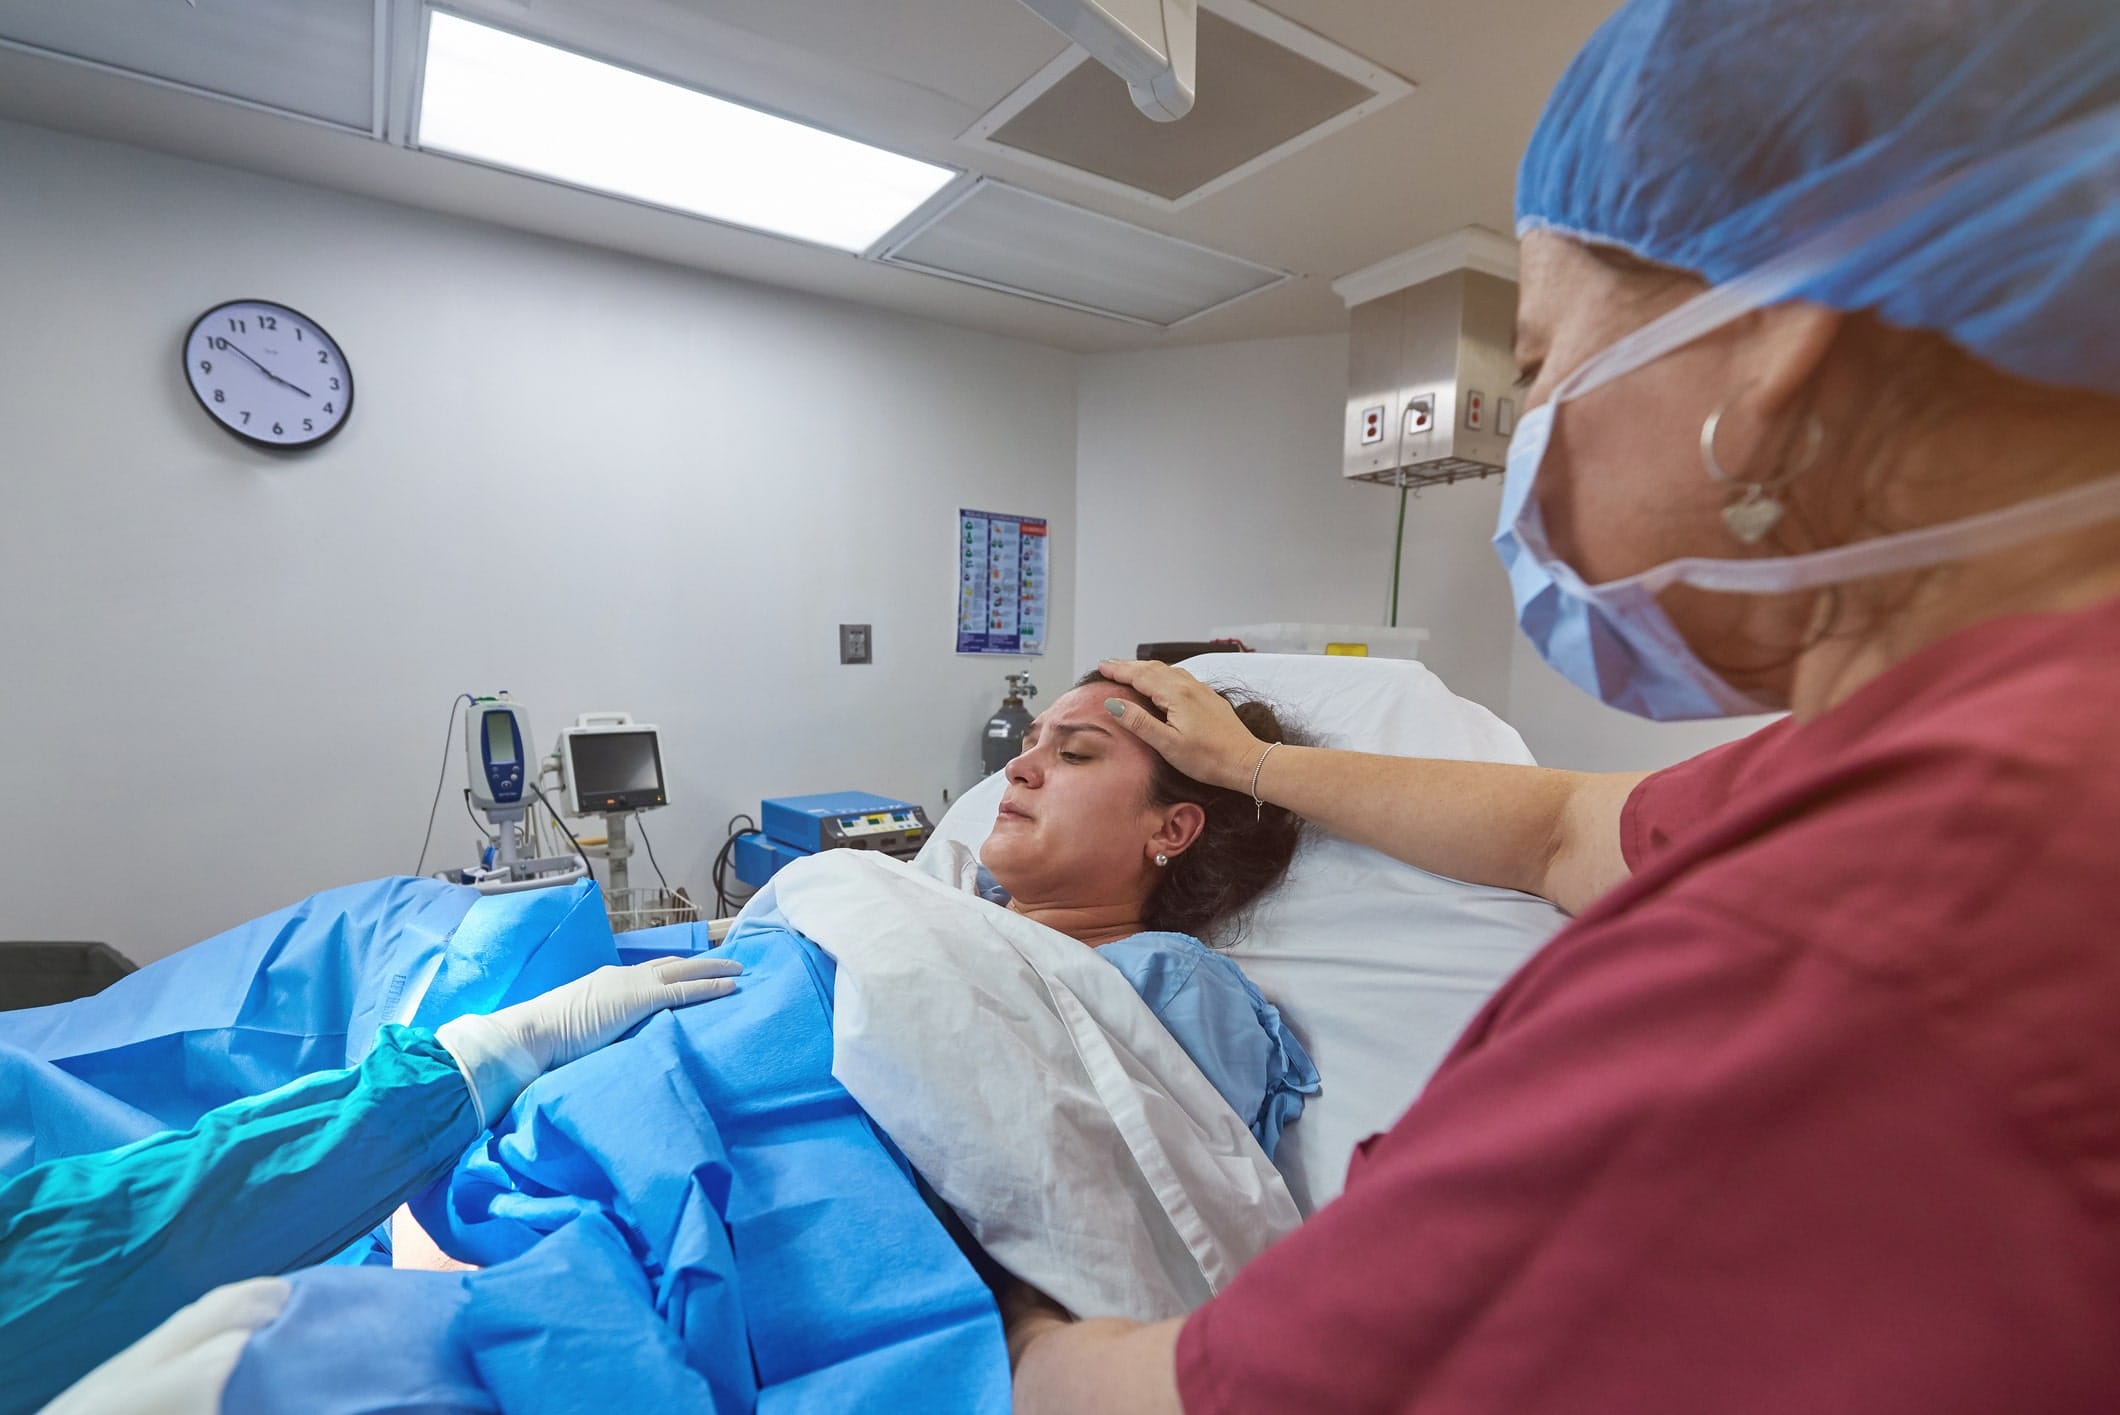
(1958, 159)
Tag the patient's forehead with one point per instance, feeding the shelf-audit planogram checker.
(1079, 704)
(1084, 707)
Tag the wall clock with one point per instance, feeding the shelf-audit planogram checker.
(269, 374)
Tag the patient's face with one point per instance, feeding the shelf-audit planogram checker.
(1076, 826)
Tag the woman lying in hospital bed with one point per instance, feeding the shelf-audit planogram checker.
(1099, 840)
(702, 1210)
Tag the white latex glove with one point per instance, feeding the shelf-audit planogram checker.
(502, 1052)
(183, 1365)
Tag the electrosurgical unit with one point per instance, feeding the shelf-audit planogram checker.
(794, 826)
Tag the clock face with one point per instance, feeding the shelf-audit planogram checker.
(268, 374)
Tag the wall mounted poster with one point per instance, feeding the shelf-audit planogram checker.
(1001, 583)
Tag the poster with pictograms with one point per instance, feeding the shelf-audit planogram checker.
(1001, 583)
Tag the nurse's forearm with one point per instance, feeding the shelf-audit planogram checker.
(1542, 831)
(1104, 1367)
(96, 1249)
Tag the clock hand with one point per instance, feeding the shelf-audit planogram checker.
(247, 358)
(262, 369)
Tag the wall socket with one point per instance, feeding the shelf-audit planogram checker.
(855, 643)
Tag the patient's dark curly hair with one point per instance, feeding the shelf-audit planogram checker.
(1241, 851)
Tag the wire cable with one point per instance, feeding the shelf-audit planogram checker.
(680, 901)
(1398, 551)
(642, 825)
(441, 777)
(491, 837)
(722, 898)
(579, 852)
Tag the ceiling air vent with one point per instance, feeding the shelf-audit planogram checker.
(1266, 88)
(315, 60)
(1008, 239)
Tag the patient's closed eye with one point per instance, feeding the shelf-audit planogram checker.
(1073, 757)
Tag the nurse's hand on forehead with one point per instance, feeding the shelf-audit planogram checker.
(1203, 736)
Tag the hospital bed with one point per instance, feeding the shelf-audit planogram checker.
(1377, 966)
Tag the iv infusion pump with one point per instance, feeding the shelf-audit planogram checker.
(497, 755)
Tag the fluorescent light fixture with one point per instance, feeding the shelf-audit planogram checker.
(499, 98)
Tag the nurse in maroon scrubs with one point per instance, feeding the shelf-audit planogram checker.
(1815, 1106)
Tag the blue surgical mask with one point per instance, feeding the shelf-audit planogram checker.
(1614, 640)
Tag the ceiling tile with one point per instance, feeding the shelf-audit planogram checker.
(316, 59)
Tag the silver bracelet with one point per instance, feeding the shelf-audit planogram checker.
(1258, 807)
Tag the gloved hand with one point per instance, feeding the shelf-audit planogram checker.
(502, 1052)
(183, 1364)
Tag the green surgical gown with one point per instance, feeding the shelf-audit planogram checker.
(97, 1250)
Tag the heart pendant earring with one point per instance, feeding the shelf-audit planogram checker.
(1752, 517)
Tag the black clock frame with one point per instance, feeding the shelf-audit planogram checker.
(184, 363)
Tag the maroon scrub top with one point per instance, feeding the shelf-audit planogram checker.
(1818, 1112)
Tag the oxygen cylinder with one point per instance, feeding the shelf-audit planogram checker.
(1002, 738)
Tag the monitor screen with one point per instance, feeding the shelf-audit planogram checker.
(500, 738)
(621, 768)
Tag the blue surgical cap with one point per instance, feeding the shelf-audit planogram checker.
(1950, 165)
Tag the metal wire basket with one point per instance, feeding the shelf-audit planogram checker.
(649, 908)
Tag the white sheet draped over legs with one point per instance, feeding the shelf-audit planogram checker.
(1033, 1089)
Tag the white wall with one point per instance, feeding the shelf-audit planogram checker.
(1208, 493)
(595, 482)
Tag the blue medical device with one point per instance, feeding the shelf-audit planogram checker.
(758, 857)
(794, 826)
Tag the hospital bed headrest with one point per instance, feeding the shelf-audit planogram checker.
(1376, 965)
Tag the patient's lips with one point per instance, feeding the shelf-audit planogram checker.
(1010, 808)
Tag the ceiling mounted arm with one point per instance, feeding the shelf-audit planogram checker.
(1149, 43)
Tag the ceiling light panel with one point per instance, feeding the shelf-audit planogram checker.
(1009, 239)
(313, 60)
(499, 98)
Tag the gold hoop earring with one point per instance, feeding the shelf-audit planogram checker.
(1756, 511)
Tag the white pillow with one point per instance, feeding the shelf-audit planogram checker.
(1377, 966)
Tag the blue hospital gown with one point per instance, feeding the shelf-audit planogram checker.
(1221, 1019)
(1224, 1023)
